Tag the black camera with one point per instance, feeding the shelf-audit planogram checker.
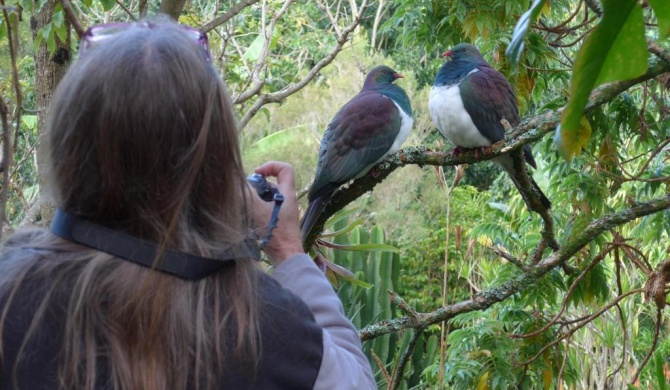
(268, 193)
(263, 188)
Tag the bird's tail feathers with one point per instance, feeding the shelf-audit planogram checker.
(314, 210)
(538, 191)
(507, 163)
(537, 194)
(528, 156)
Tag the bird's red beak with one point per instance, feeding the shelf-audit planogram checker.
(398, 76)
(447, 53)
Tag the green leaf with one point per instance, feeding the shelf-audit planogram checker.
(3, 28)
(515, 47)
(658, 369)
(278, 139)
(662, 11)
(49, 37)
(253, 52)
(571, 144)
(58, 18)
(29, 121)
(615, 50)
(336, 272)
(339, 216)
(346, 230)
(365, 248)
(31, 192)
(38, 40)
(107, 5)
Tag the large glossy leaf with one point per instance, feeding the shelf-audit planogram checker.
(615, 50)
(515, 47)
(572, 143)
(662, 11)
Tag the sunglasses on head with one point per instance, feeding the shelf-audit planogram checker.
(101, 32)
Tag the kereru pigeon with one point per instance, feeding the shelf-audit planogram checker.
(467, 103)
(364, 131)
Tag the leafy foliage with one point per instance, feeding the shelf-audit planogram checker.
(615, 50)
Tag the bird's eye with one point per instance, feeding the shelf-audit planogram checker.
(385, 72)
(463, 50)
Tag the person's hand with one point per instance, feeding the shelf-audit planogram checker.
(286, 236)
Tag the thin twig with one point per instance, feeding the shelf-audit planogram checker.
(518, 263)
(13, 40)
(622, 320)
(6, 162)
(583, 323)
(657, 331)
(261, 62)
(404, 306)
(127, 11)
(72, 17)
(399, 369)
(381, 366)
(564, 304)
(234, 10)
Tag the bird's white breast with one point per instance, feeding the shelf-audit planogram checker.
(406, 123)
(449, 116)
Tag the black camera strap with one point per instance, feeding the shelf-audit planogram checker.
(183, 265)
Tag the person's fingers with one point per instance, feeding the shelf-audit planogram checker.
(282, 171)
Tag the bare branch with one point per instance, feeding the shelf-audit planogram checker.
(7, 144)
(143, 8)
(6, 160)
(333, 18)
(234, 10)
(72, 17)
(13, 41)
(586, 320)
(404, 306)
(279, 96)
(126, 10)
(261, 62)
(657, 331)
(519, 264)
(399, 369)
(659, 51)
(381, 9)
(172, 8)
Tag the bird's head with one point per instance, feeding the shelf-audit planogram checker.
(464, 52)
(381, 75)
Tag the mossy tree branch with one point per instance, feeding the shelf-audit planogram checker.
(488, 297)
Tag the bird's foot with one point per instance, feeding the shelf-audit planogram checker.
(374, 172)
(482, 149)
(456, 151)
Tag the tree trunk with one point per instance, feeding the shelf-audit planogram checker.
(172, 8)
(49, 70)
